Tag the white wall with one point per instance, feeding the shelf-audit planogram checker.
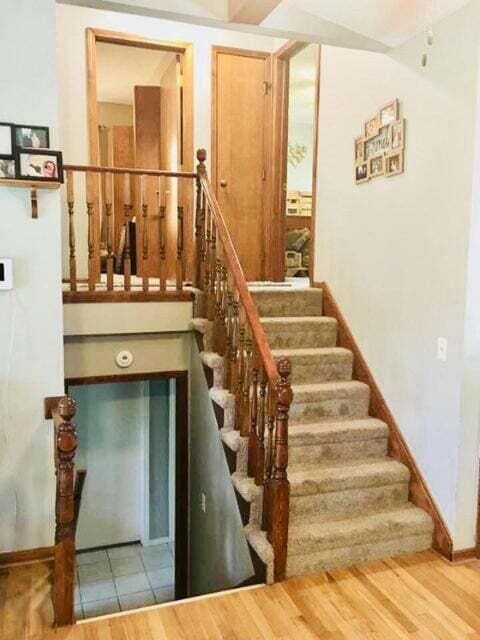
(31, 366)
(395, 250)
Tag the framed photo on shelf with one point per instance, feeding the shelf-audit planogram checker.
(43, 165)
(361, 172)
(32, 137)
(7, 140)
(394, 163)
(389, 113)
(376, 166)
(7, 169)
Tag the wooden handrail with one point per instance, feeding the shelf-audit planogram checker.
(83, 168)
(261, 387)
(231, 257)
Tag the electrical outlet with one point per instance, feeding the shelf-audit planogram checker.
(204, 503)
(442, 348)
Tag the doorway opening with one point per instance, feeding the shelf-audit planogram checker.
(140, 115)
(131, 538)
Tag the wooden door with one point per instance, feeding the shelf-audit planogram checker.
(241, 106)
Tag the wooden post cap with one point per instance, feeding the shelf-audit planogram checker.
(201, 155)
(67, 408)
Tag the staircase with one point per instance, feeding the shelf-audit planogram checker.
(348, 499)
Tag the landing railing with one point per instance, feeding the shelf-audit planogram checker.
(261, 387)
(128, 233)
(67, 506)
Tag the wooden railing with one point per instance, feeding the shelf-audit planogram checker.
(261, 386)
(67, 506)
(105, 204)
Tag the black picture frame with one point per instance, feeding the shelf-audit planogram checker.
(19, 151)
(45, 130)
(11, 155)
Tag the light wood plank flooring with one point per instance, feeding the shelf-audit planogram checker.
(413, 597)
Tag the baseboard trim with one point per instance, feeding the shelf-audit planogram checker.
(26, 556)
(398, 449)
(463, 555)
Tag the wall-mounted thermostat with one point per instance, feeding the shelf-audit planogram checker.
(6, 273)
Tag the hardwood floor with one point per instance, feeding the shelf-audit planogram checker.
(413, 597)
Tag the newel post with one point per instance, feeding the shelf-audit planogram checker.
(279, 487)
(199, 218)
(64, 569)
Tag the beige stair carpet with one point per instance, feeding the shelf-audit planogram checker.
(349, 500)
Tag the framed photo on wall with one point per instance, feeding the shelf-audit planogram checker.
(389, 113)
(7, 140)
(32, 137)
(361, 173)
(398, 134)
(39, 164)
(7, 169)
(394, 163)
(376, 166)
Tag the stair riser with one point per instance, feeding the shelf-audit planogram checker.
(288, 303)
(318, 371)
(291, 336)
(353, 450)
(355, 406)
(348, 556)
(379, 533)
(384, 497)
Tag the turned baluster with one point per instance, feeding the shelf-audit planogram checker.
(92, 191)
(246, 388)
(229, 340)
(162, 212)
(240, 373)
(252, 436)
(180, 265)
(206, 257)
(127, 207)
(220, 335)
(143, 183)
(212, 272)
(199, 214)
(279, 489)
(260, 432)
(64, 553)
(268, 457)
(110, 231)
(233, 356)
(71, 231)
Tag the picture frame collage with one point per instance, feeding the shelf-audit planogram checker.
(25, 154)
(380, 150)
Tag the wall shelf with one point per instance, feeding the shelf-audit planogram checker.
(33, 185)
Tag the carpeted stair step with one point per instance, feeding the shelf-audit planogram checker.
(337, 440)
(318, 535)
(299, 333)
(338, 488)
(317, 364)
(299, 565)
(314, 402)
(287, 302)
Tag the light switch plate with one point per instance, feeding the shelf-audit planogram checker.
(6, 274)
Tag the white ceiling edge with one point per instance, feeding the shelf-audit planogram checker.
(306, 28)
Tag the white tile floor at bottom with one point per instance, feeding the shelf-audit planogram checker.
(101, 607)
(136, 600)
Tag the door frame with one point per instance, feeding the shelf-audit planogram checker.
(185, 49)
(280, 82)
(268, 222)
(182, 556)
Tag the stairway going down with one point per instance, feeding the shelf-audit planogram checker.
(348, 499)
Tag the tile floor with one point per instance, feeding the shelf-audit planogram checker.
(124, 577)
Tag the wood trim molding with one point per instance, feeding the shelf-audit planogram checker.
(463, 555)
(78, 297)
(127, 377)
(26, 556)
(419, 493)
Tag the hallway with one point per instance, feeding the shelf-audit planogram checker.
(421, 597)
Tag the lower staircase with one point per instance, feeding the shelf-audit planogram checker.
(348, 499)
